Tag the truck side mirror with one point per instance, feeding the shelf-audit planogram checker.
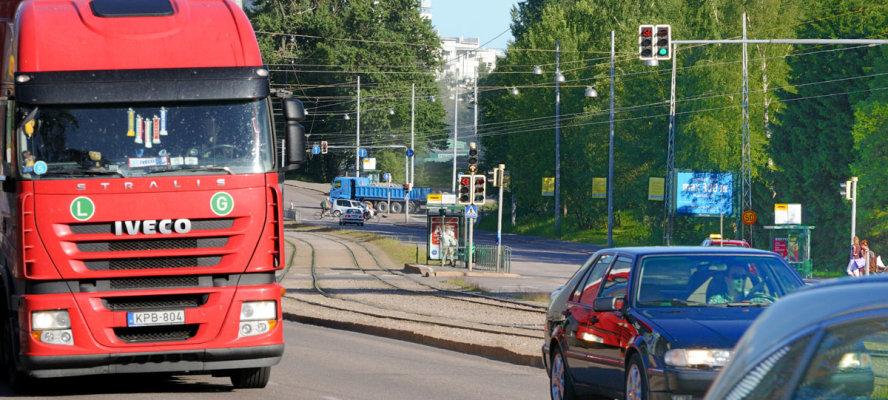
(294, 113)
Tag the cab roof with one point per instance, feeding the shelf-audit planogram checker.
(650, 250)
(85, 35)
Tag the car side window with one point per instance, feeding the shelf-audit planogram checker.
(849, 363)
(341, 203)
(589, 287)
(768, 380)
(616, 283)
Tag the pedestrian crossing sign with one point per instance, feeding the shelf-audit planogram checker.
(471, 211)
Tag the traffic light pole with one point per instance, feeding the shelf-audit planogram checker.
(501, 173)
(358, 134)
(610, 155)
(557, 139)
(746, 184)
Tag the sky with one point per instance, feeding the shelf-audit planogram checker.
(483, 19)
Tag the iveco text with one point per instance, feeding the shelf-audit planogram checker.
(152, 226)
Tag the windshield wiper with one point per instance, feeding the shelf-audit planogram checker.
(674, 302)
(192, 168)
(746, 303)
(82, 172)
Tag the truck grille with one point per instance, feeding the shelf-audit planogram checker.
(196, 224)
(155, 282)
(154, 244)
(142, 334)
(151, 263)
(141, 303)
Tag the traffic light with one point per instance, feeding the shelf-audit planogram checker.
(662, 46)
(646, 42)
(324, 147)
(847, 189)
(464, 190)
(473, 157)
(479, 189)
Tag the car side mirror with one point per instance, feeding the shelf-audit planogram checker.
(606, 304)
(294, 113)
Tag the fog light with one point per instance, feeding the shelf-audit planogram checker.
(56, 336)
(253, 328)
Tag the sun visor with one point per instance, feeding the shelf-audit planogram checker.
(142, 86)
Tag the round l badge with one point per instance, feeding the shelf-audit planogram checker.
(82, 208)
(222, 204)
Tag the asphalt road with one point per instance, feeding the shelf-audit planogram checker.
(326, 364)
(543, 263)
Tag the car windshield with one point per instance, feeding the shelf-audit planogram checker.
(145, 139)
(713, 281)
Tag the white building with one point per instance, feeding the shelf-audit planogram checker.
(425, 9)
(463, 58)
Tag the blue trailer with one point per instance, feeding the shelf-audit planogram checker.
(377, 195)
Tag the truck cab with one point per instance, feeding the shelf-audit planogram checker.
(343, 187)
(141, 218)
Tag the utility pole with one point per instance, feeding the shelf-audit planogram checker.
(475, 126)
(557, 138)
(455, 130)
(610, 155)
(358, 134)
(853, 208)
(746, 162)
(669, 196)
(500, 177)
(412, 133)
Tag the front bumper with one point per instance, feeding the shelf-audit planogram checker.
(197, 361)
(664, 384)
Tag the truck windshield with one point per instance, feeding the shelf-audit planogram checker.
(135, 140)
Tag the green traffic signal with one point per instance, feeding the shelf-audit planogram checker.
(663, 52)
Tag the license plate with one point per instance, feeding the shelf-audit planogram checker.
(154, 318)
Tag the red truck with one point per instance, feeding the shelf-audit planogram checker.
(141, 226)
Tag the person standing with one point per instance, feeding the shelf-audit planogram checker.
(856, 259)
(868, 257)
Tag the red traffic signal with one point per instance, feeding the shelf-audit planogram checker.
(464, 181)
(646, 31)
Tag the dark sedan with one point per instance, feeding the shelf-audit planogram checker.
(828, 341)
(656, 322)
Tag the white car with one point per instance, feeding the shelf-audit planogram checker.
(341, 205)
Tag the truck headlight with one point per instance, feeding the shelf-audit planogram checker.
(257, 317)
(45, 320)
(697, 357)
(258, 310)
(52, 327)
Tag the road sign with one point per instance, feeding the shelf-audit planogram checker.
(410, 153)
(787, 214)
(656, 189)
(599, 188)
(749, 217)
(548, 186)
(434, 198)
(368, 164)
(471, 211)
(362, 152)
(315, 149)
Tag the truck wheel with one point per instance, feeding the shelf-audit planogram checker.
(411, 207)
(17, 380)
(397, 208)
(250, 378)
(382, 207)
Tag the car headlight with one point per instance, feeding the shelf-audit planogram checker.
(258, 310)
(697, 357)
(46, 320)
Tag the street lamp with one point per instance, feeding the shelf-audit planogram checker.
(391, 111)
(346, 117)
(591, 92)
(514, 91)
(537, 70)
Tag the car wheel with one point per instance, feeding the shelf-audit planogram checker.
(337, 213)
(250, 378)
(560, 384)
(636, 380)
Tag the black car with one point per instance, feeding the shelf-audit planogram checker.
(657, 322)
(828, 341)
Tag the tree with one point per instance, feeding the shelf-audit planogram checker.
(812, 146)
(317, 48)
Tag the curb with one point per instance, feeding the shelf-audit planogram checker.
(490, 352)
(427, 270)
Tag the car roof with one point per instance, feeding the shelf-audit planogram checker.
(807, 308)
(651, 250)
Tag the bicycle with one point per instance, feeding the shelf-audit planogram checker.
(320, 215)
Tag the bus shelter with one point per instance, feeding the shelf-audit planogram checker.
(445, 237)
(793, 243)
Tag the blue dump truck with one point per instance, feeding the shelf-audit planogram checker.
(363, 190)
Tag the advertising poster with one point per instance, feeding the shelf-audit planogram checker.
(704, 193)
(549, 186)
(442, 230)
(779, 247)
(656, 189)
(599, 188)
